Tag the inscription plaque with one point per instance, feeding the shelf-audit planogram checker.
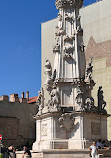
(44, 130)
(95, 128)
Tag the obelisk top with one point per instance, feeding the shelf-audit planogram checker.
(68, 3)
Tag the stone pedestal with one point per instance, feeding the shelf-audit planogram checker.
(69, 130)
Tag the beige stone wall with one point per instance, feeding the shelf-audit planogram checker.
(48, 40)
(101, 53)
(102, 77)
(16, 122)
(95, 20)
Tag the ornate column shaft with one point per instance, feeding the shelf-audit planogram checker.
(68, 49)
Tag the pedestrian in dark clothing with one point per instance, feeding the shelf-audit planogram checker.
(27, 153)
(11, 152)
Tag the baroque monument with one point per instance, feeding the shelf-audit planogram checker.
(69, 119)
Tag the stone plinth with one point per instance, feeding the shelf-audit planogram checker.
(64, 153)
(69, 130)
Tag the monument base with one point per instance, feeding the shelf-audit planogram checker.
(69, 130)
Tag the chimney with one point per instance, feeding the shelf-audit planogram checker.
(27, 96)
(14, 98)
(23, 99)
(22, 95)
(4, 98)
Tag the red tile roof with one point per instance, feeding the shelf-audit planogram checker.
(32, 100)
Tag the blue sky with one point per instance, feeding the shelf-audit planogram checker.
(20, 43)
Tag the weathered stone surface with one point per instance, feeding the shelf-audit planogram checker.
(52, 134)
(16, 123)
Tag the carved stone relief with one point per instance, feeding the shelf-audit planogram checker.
(59, 31)
(64, 3)
(68, 17)
(59, 17)
(66, 122)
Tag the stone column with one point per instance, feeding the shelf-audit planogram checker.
(68, 49)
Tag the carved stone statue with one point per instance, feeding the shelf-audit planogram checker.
(48, 68)
(59, 17)
(48, 71)
(101, 102)
(89, 105)
(79, 99)
(88, 73)
(82, 47)
(79, 29)
(55, 98)
(53, 104)
(40, 101)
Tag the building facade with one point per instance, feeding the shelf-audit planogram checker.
(17, 125)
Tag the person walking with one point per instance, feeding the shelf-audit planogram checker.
(94, 150)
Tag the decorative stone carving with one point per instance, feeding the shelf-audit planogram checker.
(101, 102)
(59, 17)
(68, 48)
(82, 47)
(56, 48)
(88, 73)
(79, 30)
(89, 105)
(48, 68)
(66, 122)
(48, 71)
(53, 104)
(79, 99)
(59, 31)
(68, 55)
(68, 51)
(55, 99)
(79, 17)
(66, 3)
(44, 130)
(69, 38)
(40, 101)
(68, 17)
